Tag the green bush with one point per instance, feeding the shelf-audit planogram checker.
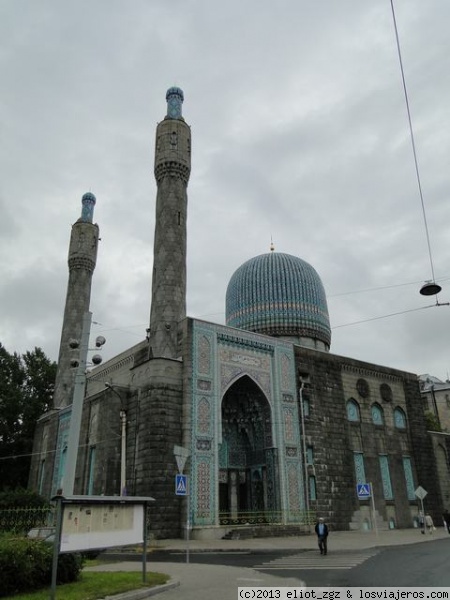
(20, 498)
(432, 421)
(26, 565)
(69, 567)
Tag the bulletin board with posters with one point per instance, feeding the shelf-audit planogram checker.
(93, 522)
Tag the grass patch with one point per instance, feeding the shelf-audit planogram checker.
(95, 585)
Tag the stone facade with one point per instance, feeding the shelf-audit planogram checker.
(370, 446)
(436, 399)
(230, 387)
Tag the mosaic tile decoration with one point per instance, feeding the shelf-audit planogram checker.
(278, 294)
(409, 478)
(266, 433)
(385, 477)
(204, 362)
(293, 487)
(203, 416)
(289, 434)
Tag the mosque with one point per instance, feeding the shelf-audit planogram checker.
(270, 428)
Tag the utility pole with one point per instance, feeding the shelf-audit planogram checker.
(77, 409)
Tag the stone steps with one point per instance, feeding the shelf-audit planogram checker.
(247, 532)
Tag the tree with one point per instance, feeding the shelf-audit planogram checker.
(432, 421)
(26, 389)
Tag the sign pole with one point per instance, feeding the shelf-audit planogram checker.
(421, 493)
(373, 510)
(188, 522)
(182, 488)
(144, 549)
(56, 546)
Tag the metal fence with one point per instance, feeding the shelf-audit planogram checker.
(21, 520)
(266, 518)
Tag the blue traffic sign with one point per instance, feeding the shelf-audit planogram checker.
(363, 490)
(181, 485)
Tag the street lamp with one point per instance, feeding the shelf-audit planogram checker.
(78, 398)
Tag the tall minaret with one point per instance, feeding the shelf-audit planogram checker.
(82, 260)
(172, 170)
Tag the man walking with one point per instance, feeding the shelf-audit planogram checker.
(321, 530)
(429, 523)
(446, 519)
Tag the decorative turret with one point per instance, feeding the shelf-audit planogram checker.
(172, 170)
(174, 97)
(87, 213)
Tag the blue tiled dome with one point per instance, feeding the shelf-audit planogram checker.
(280, 295)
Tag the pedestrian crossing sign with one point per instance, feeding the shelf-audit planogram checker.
(363, 491)
(181, 485)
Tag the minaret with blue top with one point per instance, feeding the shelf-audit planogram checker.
(82, 260)
(172, 170)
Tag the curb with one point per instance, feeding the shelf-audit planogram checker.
(144, 593)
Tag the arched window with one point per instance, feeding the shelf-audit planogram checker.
(353, 410)
(312, 487)
(377, 414)
(399, 418)
(306, 407)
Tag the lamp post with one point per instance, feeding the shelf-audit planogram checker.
(123, 453)
(123, 441)
(80, 364)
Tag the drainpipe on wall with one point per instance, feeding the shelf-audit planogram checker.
(433, 398)
(305, 457)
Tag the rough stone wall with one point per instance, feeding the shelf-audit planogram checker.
(441, 447)
(421, 442)
(47, 426)
(367, 385)
(326, 432)
(160, 413)
(329, 382)
(442, 399)
(152, 399)
(119, 371)
(100, 429)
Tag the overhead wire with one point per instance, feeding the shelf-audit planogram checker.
(411, 131)
(402, 312)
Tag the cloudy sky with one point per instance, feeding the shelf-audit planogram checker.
(299, 133)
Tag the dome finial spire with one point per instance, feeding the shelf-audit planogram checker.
(174, 97)
(88, 202)
(272, 246)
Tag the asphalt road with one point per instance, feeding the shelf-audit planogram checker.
(417, 565)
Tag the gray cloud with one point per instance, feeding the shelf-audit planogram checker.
(299, 132)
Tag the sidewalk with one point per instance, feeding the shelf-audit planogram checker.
(206, 582)
(344, 540)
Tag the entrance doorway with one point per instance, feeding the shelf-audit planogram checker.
(247, 458)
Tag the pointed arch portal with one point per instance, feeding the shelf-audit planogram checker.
(247, 458)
